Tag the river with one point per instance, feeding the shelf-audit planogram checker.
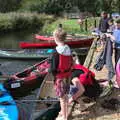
(11, 40)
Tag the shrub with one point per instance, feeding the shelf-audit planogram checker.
(17, 21)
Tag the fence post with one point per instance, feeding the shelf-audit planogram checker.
(86, 25)
(95, 22)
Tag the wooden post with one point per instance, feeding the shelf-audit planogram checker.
(89, 57)
(95, 22)
(86, 24)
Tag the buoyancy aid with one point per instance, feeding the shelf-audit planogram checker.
(87, 77)
(64, 66)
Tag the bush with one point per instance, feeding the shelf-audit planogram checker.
(16, 21)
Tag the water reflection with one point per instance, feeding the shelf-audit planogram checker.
(11, 40)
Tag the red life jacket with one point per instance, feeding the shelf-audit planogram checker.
(64, 67)
(87, 77)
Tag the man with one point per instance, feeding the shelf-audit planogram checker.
(103, 24)
(115, 37)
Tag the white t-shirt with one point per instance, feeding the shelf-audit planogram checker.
(64, 50)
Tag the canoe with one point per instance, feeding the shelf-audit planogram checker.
(75, 42)
(30, 75)
(49, 38)
(8, 107)
(46, 38)
(25, 54)
(48, 105)
(28, 78)
(35, 54)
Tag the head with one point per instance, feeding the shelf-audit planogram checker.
(59, 25)
(104, 14)
(59, 36)
(75, 58)
(111, 22)
(118, 23)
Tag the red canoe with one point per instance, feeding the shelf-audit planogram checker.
(28, 77)
(40, 37)
(48, 38)
(75, 42)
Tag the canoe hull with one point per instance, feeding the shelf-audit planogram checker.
(28, 79)
(10, 111)
(26, 55)
(85, 42)
(49, 103)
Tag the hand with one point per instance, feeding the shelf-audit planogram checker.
(108, 35)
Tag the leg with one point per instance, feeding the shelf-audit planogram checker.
(64, 107)
(80, 91)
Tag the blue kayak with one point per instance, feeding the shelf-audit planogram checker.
(8, 107)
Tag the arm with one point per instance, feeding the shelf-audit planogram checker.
(111, 36)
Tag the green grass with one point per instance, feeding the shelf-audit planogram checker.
(70, 25)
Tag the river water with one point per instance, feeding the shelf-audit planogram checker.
(11, 40)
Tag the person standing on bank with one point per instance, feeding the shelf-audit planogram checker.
(103, 24)
(61, 63)
(115, 37)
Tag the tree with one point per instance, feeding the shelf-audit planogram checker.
(9, 5)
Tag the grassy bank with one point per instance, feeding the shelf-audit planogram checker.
(15, 21)
(71, 26)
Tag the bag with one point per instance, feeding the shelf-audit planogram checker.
(100, 62)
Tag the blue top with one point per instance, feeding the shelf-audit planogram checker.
(116, 34)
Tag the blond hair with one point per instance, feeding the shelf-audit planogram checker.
(60, 34)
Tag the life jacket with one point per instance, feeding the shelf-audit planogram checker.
(87, 77)
(64, 66)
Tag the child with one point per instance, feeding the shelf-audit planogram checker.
(61, 63)
(83, 82)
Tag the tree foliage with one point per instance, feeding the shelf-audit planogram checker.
(9, 5)
(58, 6)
